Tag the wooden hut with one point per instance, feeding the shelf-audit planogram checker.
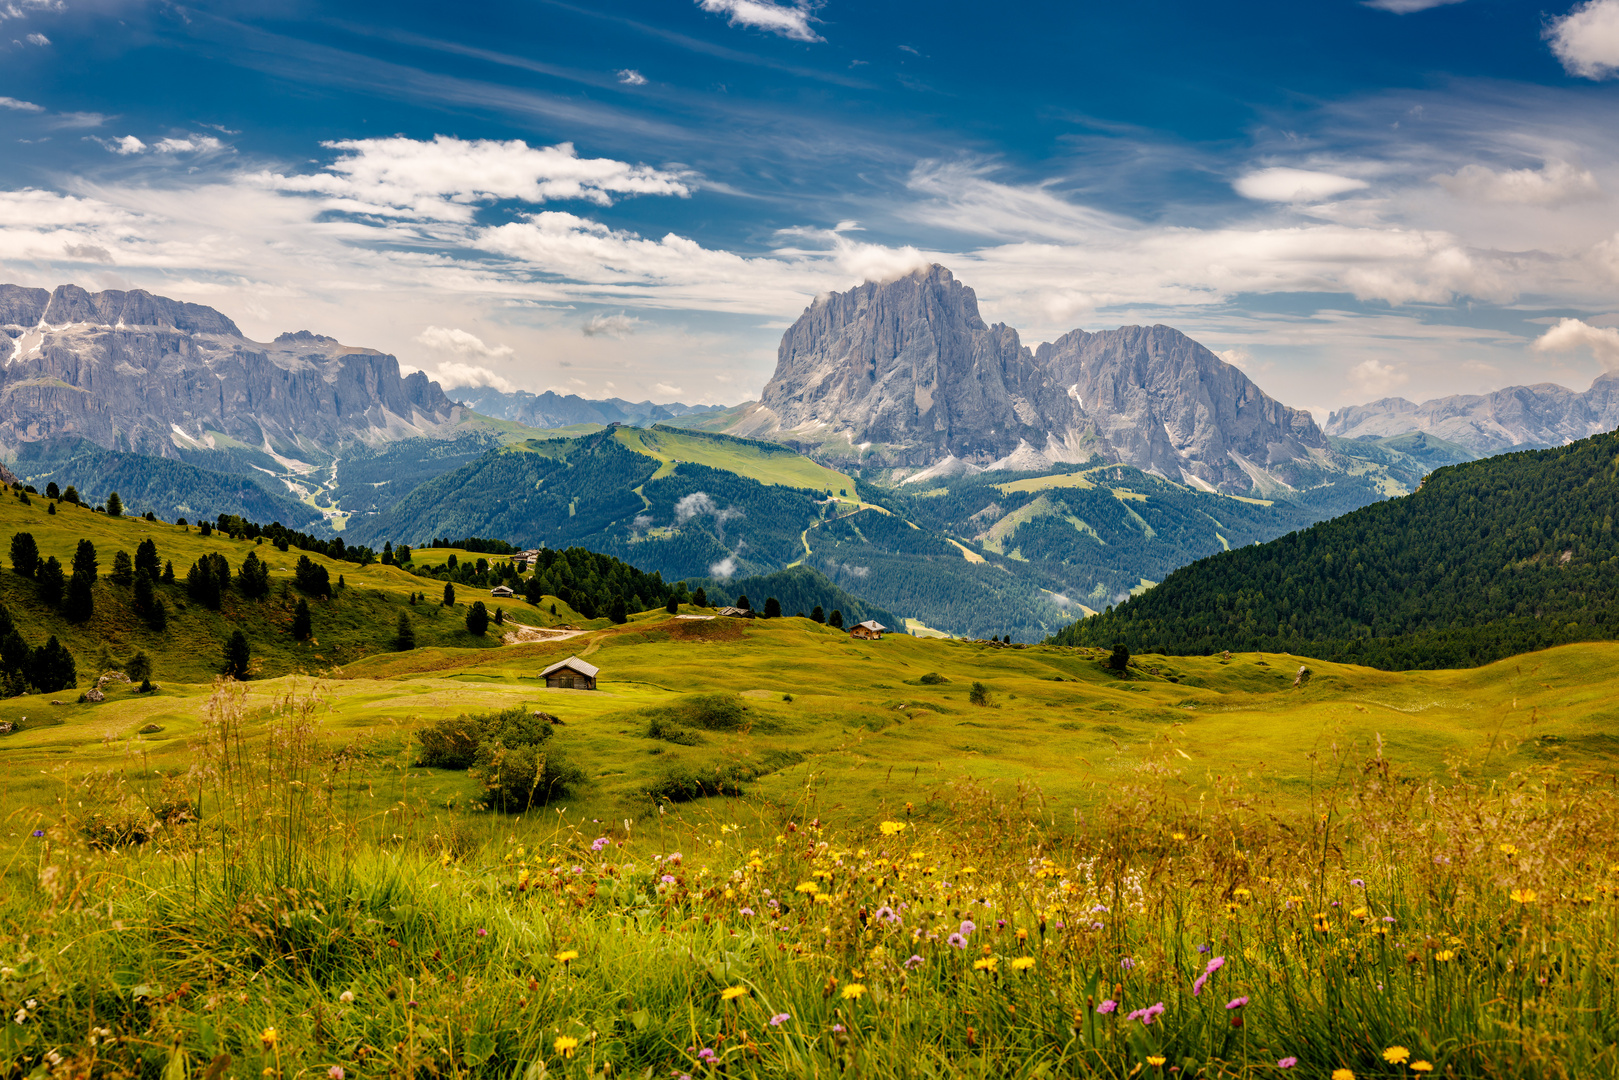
(870, 630)
(736, 612)
(570, 674)
(502, 590)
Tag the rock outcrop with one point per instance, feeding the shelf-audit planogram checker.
(136, 372)
(906, 373)
(1516, 418)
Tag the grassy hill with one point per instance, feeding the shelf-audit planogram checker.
(1488, 559)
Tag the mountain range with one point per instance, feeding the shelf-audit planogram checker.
(1516, 418)
(553, 410)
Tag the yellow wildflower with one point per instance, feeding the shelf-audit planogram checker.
(1396, 1055)
(1177, 836)
(731, 993)
(1023, 963)
(853, 992)
(892, 828)
(986, 964)
(267, 1037)
(1343, 1074)
(807, 887)
(566, 955)
(1422, 1066)
(1444, 955)
(1155, 1060)
(1524, 896)
(566, 1045)
(1508, 850)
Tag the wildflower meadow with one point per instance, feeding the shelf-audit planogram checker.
(286, 917)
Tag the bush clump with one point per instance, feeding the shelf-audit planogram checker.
(509, 753)
(932, 678)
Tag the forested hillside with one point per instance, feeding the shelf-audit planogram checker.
(1487, 559)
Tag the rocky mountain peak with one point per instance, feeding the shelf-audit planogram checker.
(906, 373)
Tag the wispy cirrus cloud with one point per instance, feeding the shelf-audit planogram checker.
(788, 20)
(1406, 7)
(20, 106)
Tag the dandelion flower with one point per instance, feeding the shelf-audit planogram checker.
(807, 887)
(1343, 1074)
(986, 964)
(1524, 896)
(566, 1045)
(731, 993)
(853, 992)
(892, 828)
(1023, 963)
(1445, 955)
(567, 955)
(1155, 1060)
(1422, 1066)
(1508, 850)
(1396, 1055)
(1287, 1063)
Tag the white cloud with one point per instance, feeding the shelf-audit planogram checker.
(1571, 335)
(631, 77)
(1406, 7)
(724, 570)
(615, 326)
(451, 374)
(20, 106)
(21, 9)
(1294, 185)
(1556, 183)
(189, 145)
(1237, 357)
(461, 343)
(1376, 379)
(667, 390)
(790, 21)
(694, 505)
(37, 39)
(126, 145)
(1586, 40)
(447, 178)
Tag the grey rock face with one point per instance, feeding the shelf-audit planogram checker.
(910, 367)
(136, 372)
(1518, 417)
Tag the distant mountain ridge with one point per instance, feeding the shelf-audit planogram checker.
(131, 371)
(553, 410)
(906, 373)
(1514, 418)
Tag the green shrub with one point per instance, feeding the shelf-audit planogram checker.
(450, 743)
(661, 727)
(979, 694)
(507, 751)
(932, 678)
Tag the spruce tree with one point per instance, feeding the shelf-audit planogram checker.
(835, 620)
(449, 594)
(478, 618)
(673, 606)
(818, 615)
(80, 603)
(237, 656)
(123, 569)
(772, 608)
(405, 634)
(302, 627)
(25, 555)
(619, 613)
(115, 505)
(146, 560)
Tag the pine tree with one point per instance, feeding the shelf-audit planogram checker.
(115, 505)
(818, 615)
(52, 491)
(673, 606)
(123, 569)
(168, 573)
(51, 668)
(302, 627)
(700, 597)
(835, 620)
(139, 667)
(478, 618)
(146, 560)
(255, 576)
(772, 608)
(619, 613)
(237, 656)
(80, 602)
(449, 594)
(25, 555)
(742, 602)
(405, 634)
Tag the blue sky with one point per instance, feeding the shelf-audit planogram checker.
(633, 197)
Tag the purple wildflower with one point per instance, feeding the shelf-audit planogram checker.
(780, 1019)
(676, 858)
(1357, 883)
(913, 963)
(1236, 1002)
(599, 843)
(706, 1054)
(1127, 964)
(1205, 948)
(956, 940)
(336, 1072)
(837, 1029)
(39, 832)
(1099, 909)
(746, 911)
(1107, 1006)
(667, 879)
(481, 932)
(1097, 926)
(1287, 1063)
(1215, 965)
(1197, 984)
(1147, 1015)
(967, 927)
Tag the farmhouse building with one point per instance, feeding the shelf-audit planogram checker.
(502, 590)
(736, 612)
(570, 674)
(870, 630)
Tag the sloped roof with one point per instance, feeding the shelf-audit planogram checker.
(587, 670)
(872, 624)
